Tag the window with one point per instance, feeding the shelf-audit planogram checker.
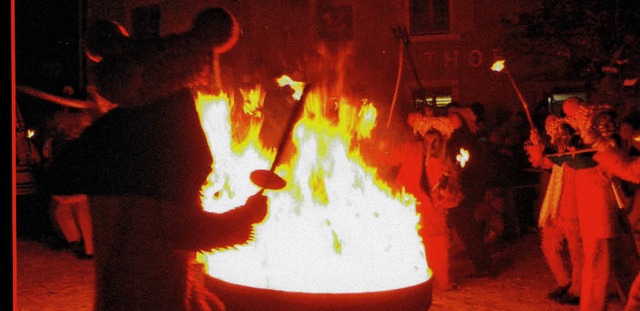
(443, 96)
(556, 99)
(429, 17)
(433, 96)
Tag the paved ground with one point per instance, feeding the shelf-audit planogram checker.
(57, 280)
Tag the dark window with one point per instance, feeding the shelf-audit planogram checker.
(428, 17)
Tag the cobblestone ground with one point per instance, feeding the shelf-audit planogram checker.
(57, 280)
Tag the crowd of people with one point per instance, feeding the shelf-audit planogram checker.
(61, 221)
(588, 219)
(587, 215)
(465, 182)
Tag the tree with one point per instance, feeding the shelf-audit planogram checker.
(594, 41)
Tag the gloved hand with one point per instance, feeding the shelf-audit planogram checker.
(256, 208)
(234, 227)
(534, 137)
(584, 122)
(535, 154)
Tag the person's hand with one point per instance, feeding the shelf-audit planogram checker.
(535, 154)
(534, 137)
(256, 208)
(583, 117)
(234, 227)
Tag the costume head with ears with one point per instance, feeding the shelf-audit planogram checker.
(133, 73)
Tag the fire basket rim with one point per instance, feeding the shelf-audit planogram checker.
(241, 297)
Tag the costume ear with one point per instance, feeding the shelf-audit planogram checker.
(106, 37)
(217, 28)
(136, 73)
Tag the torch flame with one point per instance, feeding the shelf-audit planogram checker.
(462, 157)
(367, 119)
(498, 65)
(297, 86)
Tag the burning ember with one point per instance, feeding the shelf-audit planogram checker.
(463, 157)
(335, 227)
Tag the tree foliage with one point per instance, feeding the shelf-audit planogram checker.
(595, 41)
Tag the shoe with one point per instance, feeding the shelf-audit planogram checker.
(558, 292)
(568, 299)
(77, 248)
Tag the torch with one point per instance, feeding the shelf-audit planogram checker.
(499, 66)
(68, 102)
(267, 179)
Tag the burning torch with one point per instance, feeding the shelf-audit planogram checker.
(499, 66)
(268, 179)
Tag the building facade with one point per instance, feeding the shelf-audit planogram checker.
(451, 45)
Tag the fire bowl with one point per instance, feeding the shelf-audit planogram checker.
(241, 298)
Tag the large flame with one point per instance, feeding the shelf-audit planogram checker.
(335, 227)
(235, 147)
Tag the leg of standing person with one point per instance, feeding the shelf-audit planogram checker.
(625, 258)
(437, 251)
(596, 273)
(435, 236)
(596, 212)
(82, 211)
(633, 217)
(569, 224)
(552, 248)
(461, 220)
(576, 257)
(64, 218)
(633, 302)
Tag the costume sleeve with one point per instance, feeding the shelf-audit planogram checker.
(619, 164)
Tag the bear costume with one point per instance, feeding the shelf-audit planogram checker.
(144, 162)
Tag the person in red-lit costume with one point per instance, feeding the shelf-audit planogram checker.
(474, 180)
(419, 162)
(439, 182)
(143, 164)
(599, 215)
(561, 242)
(620, 162)
(471, 180)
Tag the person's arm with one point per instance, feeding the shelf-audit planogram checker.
(609, 156)
(619, 164)
(537, 158)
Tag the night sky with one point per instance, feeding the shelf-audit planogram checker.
(46, 42)
(47, 54)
